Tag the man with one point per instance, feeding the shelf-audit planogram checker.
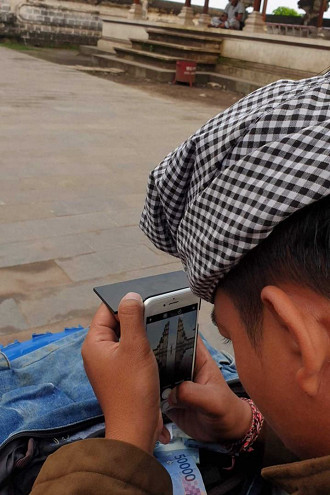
(220, 22)
(245, 204)
(235, 11)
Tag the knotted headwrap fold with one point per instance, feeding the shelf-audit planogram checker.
(221, 192)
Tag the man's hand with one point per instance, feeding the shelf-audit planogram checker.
(207, 409)
(124, 375)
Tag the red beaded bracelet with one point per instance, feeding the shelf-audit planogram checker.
(245, 443)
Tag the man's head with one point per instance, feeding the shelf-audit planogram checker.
(240, 203)
(275, 307)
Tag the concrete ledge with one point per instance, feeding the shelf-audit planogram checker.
(90, 50)
(258, 73)
(308, 55)
(236, 84)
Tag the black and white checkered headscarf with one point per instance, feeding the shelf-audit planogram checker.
(224, 190)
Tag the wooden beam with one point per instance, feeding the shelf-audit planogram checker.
(321, 13)
(206, 7)
(256, 5)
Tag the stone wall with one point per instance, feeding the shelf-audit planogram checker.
(301, 54)
(7, 19)
(52, 25)
(4, 10)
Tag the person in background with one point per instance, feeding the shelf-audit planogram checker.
(236, 12)
(220, 22)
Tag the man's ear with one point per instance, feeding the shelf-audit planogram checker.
(308, 332)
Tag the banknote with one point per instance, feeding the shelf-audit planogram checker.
(177, 444)
(180, 457)
(185, 475)
(176, 433)
(214, 447)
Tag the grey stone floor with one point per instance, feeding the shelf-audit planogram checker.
(75, 156)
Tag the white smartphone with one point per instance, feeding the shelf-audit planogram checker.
(171, 321)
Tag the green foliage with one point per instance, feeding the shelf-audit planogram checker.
(14, 45)
(20, 46)
(285, 11)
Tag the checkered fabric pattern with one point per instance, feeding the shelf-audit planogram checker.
(224, 190)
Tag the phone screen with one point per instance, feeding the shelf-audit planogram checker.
(172, 337)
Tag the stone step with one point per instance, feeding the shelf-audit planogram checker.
(157, 59)
(89, 50)
(198, 54)
(230, 83)
(261, 74)
(138, 70)
(179, 37)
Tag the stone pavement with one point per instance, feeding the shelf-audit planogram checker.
(76, 151)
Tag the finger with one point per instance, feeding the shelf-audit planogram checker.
(191, 395)
(131, 317)
(164, 436)
(104, 325)
(202, 356)
(206, 370)
(104, 317)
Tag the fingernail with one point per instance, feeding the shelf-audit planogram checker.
(133, 295)
(165, 436)
(172, 399)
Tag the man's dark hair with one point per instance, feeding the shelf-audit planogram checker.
(297, 251)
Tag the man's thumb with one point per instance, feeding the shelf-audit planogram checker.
(131, 318)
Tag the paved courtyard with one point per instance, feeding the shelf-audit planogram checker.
(76, 151)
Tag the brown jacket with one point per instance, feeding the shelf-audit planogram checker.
(311, 477)
(99, 466)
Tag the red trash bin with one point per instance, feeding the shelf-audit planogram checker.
(185, 71)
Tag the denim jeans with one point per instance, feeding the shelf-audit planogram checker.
(225, 362)
(45, 390)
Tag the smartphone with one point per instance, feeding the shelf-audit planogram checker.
(111, 294)
(171, 321)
